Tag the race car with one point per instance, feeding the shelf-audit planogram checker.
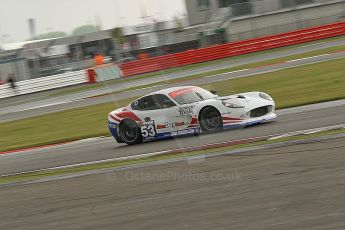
(187, 110)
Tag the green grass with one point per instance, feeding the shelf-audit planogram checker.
(295, 86)
(57, 127)
(79, 88)
(247, 66)
(291, 87)
(77, 169)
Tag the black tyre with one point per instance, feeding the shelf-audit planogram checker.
(210, 119)
(129, 132)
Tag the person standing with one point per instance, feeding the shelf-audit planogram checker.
(11, 80)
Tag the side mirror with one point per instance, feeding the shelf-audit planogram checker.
(214, 92)
(168, 103)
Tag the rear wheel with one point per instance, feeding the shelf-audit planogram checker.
(129, 132)
(210, 119)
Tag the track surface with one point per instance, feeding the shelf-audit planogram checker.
(39, 107)
(293, 119)
(297, 187)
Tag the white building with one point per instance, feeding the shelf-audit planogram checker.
(244, 19)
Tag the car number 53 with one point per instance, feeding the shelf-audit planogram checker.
(148, 131)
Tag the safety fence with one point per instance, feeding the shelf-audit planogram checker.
(93, 75)
(43, 83)
(232, 49)
(173, 60)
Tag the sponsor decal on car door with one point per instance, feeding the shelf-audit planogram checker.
(183, 116)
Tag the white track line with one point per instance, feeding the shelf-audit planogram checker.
(146, 155)
(236, 71)
(306, 58)
(308, 131)
(313, 44)
(48, 105)
(149, 87)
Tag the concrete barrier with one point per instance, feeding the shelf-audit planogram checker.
(44, 83)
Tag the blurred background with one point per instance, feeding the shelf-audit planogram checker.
(149, 30)
(65, 65)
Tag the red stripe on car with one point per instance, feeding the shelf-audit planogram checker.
(194, 121)
(114, 118)
(175, 93)
(128, 114)
(161, 126)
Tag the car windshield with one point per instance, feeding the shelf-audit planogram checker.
(191, 95)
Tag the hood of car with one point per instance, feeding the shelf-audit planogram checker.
(237, 96)
(247, 101)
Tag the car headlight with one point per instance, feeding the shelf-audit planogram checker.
(232, 105)
(265, 96)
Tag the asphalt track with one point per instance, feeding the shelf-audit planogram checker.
(39, 108)
(296, 187)
(294, 119)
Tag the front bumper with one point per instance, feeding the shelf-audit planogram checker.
(113, 127)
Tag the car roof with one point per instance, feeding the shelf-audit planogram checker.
(169, 90)
(165, 91)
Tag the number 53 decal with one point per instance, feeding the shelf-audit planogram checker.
(148, 130)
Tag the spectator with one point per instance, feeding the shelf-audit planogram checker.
(99, 59)
(143, 55)
(11, 80)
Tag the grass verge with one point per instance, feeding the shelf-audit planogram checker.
(109, 165)
(291, 87)
(247, 66)
(80, 88)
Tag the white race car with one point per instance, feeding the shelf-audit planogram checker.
(187, 110)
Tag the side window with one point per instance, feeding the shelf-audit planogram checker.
(163, 101)
(135, 105)
(152, 102)
(145, 103)
(203, 5)
(223, 3)
(239, 7)
(294, 3)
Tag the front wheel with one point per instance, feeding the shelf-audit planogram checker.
(210, 119)
(129, 132)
